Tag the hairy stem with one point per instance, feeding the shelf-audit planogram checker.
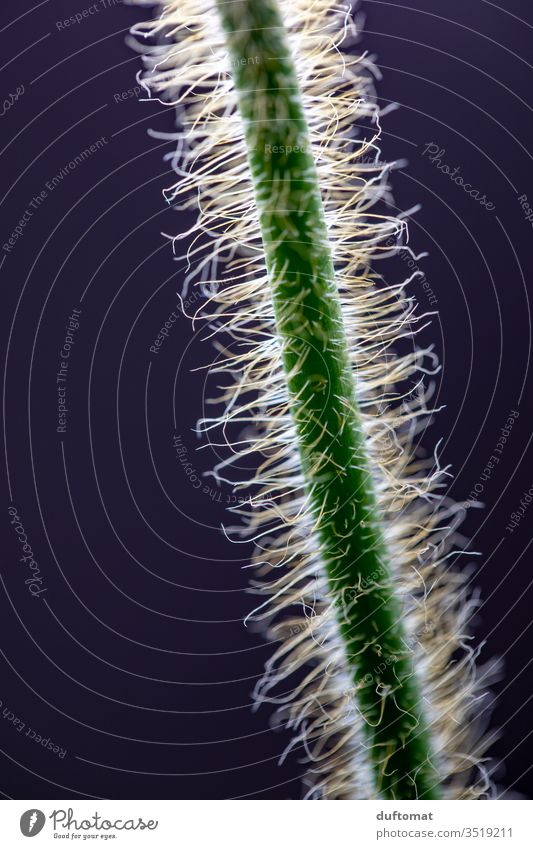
(323, 400)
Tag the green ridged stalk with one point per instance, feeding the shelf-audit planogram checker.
(321, 386)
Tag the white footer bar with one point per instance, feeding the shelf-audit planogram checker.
(267, 824)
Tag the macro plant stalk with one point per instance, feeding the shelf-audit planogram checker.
(323, 396)
(331, 438)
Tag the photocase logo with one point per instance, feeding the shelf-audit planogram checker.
(32, 822)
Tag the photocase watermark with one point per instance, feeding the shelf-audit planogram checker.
(182, 307)
(130, 93)
(428, 629)
(346, 599)
(62, 373)
(20, 229)
(243, 61)
(83, 14)
(40, 198)
(310, 623)
(163, 334)
(65, 819)
(349, 696)
(495, 457)
(71, 166)
(30, 733)
(68, 825)
(196, 479)
(11, 99)
(519, 513)
(411, 261)
(32, 822)
(34, 581)
(199, 294)
(527, 209)
(286, 149)
(303, 146)
(435, 155)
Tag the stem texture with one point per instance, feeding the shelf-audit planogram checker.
(333, 456)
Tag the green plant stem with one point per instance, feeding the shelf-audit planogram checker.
(333, 455)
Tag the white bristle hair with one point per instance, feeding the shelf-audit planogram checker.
(187, 65)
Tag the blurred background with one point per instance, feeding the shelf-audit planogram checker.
(125, 667)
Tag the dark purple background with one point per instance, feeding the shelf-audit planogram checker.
(136, 659)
